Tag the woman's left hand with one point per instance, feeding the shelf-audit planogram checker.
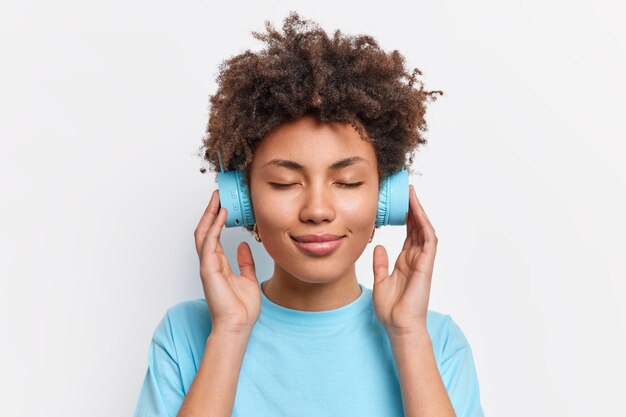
(401, 299)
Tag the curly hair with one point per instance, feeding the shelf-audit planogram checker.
(302, 71)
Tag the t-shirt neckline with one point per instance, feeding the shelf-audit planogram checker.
(327, 318)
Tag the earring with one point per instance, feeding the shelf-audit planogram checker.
(255, 230)
(372, 237)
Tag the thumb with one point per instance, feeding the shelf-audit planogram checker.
(381, 264)
(245, 261)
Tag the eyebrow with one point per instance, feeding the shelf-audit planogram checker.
(342, 163)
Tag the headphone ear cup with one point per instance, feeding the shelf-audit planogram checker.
(234, 196)
(393, 199)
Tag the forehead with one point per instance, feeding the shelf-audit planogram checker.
(312, 143)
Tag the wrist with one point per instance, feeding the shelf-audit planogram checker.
(238, 334)
(420, 333)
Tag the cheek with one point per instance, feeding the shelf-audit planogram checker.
(358, 211)
(272, 211)
(359, 206)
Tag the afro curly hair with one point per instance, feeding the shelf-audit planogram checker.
(302, 71)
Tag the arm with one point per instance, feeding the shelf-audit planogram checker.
(234, 304)
(423, 391)
(212, 392)
(401, 303)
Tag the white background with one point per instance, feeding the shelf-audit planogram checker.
(103, 106)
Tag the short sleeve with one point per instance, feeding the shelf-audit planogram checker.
(459, 375)
(162, 391)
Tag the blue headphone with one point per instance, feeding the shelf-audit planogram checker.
(393, 198)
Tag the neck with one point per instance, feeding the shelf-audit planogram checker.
(290, 292)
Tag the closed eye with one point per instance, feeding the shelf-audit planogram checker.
(341, 184)
(349, 185)
(276, 185)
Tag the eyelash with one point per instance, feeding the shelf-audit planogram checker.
(342, 185)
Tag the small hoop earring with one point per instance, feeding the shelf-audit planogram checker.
(372, 237)
(255, 230)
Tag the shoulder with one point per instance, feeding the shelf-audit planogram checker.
(446, 335)
(456, 364)
(185, 311)
(188, 321)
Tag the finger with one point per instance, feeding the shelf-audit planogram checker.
(206, 220)
(381, 264)
(415, 229)
(408, 241)
(427, 232)
(212, 247)
(210, 243)
(422, 213)
(246, 261)
(418, 236)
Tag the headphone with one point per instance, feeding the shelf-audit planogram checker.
(393, 198)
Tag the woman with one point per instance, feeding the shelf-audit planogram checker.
(314, 124)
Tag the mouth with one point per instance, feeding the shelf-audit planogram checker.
(319, 249)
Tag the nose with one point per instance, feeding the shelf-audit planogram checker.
(318, 205)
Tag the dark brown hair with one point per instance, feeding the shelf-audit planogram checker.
(302, 71)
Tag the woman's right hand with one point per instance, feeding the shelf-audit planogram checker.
(234, 301)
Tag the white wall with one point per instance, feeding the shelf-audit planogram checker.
(103, 106)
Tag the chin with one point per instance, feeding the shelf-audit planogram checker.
(313, 272)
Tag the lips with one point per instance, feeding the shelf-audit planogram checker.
(323, 237)
(322, 247)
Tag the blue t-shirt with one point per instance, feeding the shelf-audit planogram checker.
(305, 363)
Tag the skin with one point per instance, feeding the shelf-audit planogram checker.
(316, 203)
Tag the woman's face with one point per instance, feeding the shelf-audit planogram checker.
(313, 198)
